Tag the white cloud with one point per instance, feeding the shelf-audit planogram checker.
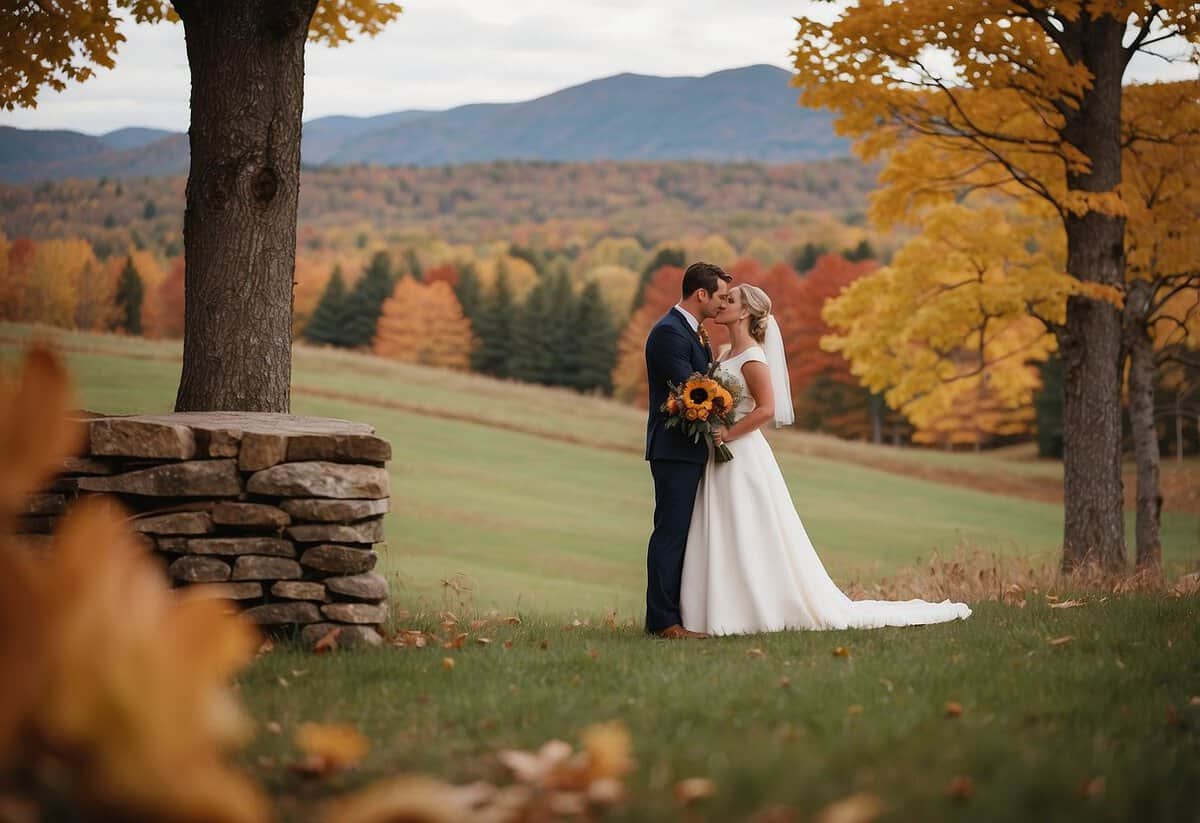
(444, 53)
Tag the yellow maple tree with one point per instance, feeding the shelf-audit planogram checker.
(424, 323)
(1017, 98)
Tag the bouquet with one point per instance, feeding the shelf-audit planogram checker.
(700, 403)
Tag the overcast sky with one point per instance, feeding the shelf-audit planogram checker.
(443, 53)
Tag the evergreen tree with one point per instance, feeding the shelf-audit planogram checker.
(560, 332)
(532, 359)
(807, 259)
(1048, 408)
(365, 302)
(128, 299)
(593, 344)
(469, 292)
(665, 257)
(863, 251)
(413, 265)
(494, 330)
(328, 323)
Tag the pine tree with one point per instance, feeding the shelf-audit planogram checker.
(863, 251)
(494, 330)
(593, 344)
(413, 265)
(665, 257)
(531, 357)
(128, 299)
(807, 258)
(559, 332)
(328, 323)
(469, 292)
(365, 302)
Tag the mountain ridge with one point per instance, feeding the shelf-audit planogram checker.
(742, 114)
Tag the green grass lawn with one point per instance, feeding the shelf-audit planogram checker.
(1117, 702)
(523, 519)
(490, 496)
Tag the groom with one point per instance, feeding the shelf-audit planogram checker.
(676, 347)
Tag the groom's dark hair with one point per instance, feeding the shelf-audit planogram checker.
(703, 276)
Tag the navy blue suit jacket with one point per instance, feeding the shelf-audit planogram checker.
(673, 352)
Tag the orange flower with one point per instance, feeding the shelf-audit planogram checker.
(691, 414)
(672, 404)
(702, 413)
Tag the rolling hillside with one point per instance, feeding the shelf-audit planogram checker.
(510, 495)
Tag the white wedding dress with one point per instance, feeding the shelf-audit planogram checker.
(749, 565)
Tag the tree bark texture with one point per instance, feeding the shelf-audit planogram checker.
(1094, 531)
(1140, 347)
(247, 65)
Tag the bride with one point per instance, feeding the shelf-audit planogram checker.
(749, 565)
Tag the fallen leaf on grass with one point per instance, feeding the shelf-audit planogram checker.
(609, 748)
(508, 644)
(841, 651)
(1194, 701)
(483, 641)
(1058, 641)
(476, 625)
(953, 708)
(594, 654)
(691, 789)
(857, 808)
(854, 709)
(785, 681)
(512, 620)
(329, 748)
(1066, 604)
(273, 727)
(266, 647)
(960, 788)
(455, 642)
(447, 663)
(756, 653)
(1093, 787)
(328, 641)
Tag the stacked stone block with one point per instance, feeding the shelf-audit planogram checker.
(282, 514)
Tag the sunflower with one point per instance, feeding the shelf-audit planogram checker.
(698, 393)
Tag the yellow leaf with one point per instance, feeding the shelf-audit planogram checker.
(953, 709)
(841, 651)
(447, 663)
(337, 746)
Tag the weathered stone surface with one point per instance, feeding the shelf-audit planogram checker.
(192, 569)
(368, 613)
(227, 591)
(299, 590)
(220, 442)
(177, 523)
(64, 485)
(337, 511)
(260, 451)
(250, 515)
(274, 614)
(231, 546)
(263, 422)
(44, 504)
(370, 586)
(342, 560)
(174, 545)
(321, 479)
(258, 567)
(127, 437)
(368, 531)
(198, 478)
(86, 465)
(348, 637)
(339, 448)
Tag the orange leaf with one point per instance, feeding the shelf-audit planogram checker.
(448, 663)
(857, 808)
(691, 789)
(953, 709)
(336, 746)
(960, 788)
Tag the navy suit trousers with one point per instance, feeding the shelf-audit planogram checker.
(675, 485)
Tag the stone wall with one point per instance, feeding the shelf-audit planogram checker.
(279, 513)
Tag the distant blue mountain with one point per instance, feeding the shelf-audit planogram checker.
(739, 114)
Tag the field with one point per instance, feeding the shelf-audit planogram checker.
(524, 511)
(513, 497)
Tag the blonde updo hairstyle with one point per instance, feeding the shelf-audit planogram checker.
(759, 306)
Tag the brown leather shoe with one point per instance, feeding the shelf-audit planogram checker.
(677, 632)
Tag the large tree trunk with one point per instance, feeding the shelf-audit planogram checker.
(1141, 417)
(247, 65)
(1094, 530)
